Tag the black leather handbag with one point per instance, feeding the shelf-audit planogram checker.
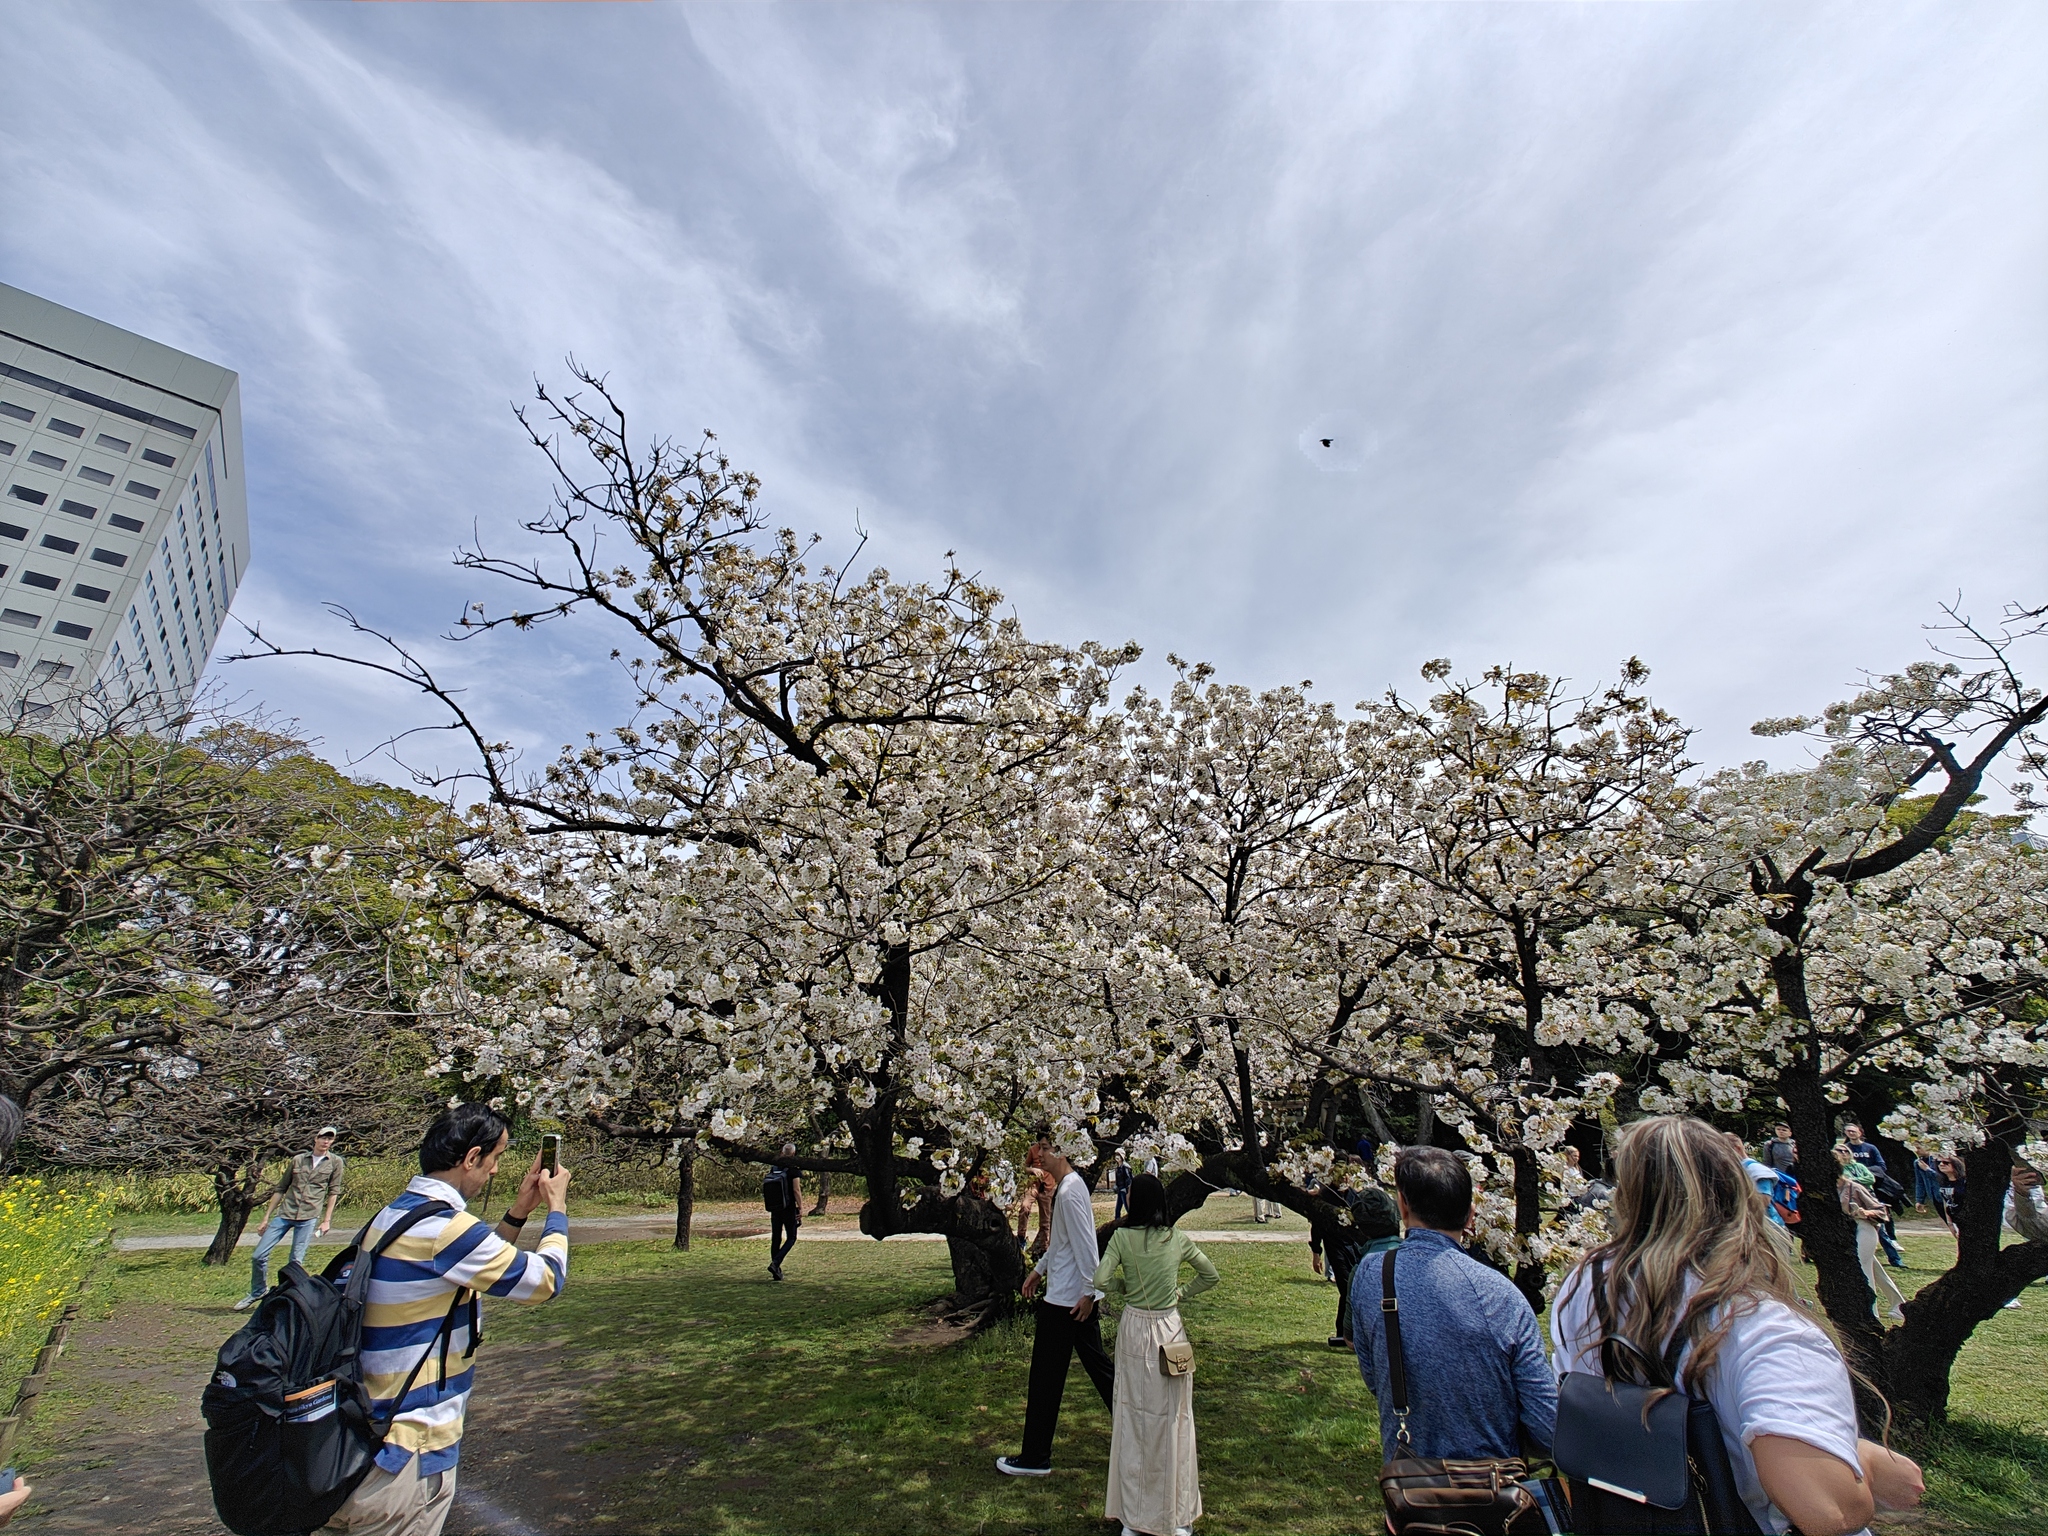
(1432, 1496)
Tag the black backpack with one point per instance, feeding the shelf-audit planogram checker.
(289, 1431)
(1644, 1460)
(775, 1191)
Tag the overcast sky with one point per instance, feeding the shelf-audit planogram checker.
(1713, 334)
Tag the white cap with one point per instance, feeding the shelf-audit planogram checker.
(327, 1130)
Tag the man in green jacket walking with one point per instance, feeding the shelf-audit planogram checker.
(309, 1191)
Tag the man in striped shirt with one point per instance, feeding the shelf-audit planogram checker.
(443, 1262)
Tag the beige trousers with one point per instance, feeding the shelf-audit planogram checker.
(396, 1504)
(1155, 1485)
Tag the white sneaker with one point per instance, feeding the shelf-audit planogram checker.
(1011, 1468)
(246, 1303)
(2012, 1306)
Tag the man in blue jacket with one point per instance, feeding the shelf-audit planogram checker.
(1477, 1377)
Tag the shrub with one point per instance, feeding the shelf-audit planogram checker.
(48, 1240)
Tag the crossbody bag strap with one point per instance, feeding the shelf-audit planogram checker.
(1397, 1365)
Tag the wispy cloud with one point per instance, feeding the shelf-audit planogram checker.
(1711, 334)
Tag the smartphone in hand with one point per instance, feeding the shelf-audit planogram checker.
(551, 1155)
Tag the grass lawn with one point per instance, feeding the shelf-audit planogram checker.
(694, 1395)
(812, 1406)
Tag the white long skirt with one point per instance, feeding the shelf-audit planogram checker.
(1154, 1485)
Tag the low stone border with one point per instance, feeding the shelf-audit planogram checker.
(46, 1358)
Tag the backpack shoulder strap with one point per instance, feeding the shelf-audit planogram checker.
(1397, 1365)
(359, 1276)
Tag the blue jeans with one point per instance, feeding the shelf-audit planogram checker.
(1891, 1249)
(273, 1234)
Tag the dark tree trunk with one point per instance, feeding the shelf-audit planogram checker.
(235, 1188)
(1529, 1277)
(686, 1193)
(1939, 1321)
(988, 1266)
(1381, 1131)
(1425, 1119)
(874, 1128)
(1829, 1237)
(824, 1194)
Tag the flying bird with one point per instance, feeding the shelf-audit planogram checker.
(1327, 441)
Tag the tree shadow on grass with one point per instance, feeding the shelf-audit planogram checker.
(743, 1406)
(1986, 1477)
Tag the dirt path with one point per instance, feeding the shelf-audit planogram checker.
(126, 1418)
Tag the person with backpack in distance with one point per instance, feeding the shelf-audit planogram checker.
(1120, 1180)
(782, 1192)
(1154, 1482)
(1686, 1360)
(1064, 1321)
(1374, 1227)
(421, 1323)
(309, 1190)
(1474, 1380)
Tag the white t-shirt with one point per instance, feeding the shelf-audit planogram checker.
(1068, 1266)
(1776, 1374)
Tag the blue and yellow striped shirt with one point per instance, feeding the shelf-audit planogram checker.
(411, 1286)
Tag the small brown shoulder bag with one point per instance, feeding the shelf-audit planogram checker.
(1428, 1496)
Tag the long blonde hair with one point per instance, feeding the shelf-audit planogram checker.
(1683, 1208)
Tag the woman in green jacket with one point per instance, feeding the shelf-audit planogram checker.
(1154, 1484)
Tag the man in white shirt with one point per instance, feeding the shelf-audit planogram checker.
(1065, 1318)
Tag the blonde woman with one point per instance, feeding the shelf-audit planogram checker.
(1690, 1262)
(1154, 1484)
(1870, 1214)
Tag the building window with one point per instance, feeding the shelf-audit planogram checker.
(22, 620)
(39, 579)
(68, 546)
(109, 557)
(71, 631)
(123, 521)
(10, 660)
(6, 450)
(19, 413)
(69, 429)
(98, 402)
(9, 531)
(91, 594)
(51, 672)
(155, 457)
(43, 460)
(23, 493)
(118, 445)
(137, 488)
(96, 476)
(78, 509)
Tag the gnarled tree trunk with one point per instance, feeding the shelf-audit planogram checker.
(988, 1267)
(235, 1189)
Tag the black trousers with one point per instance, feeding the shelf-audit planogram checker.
(782, 1238)
(1059, 1339)
(1342, 1264)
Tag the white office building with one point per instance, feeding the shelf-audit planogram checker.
(124, 527)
